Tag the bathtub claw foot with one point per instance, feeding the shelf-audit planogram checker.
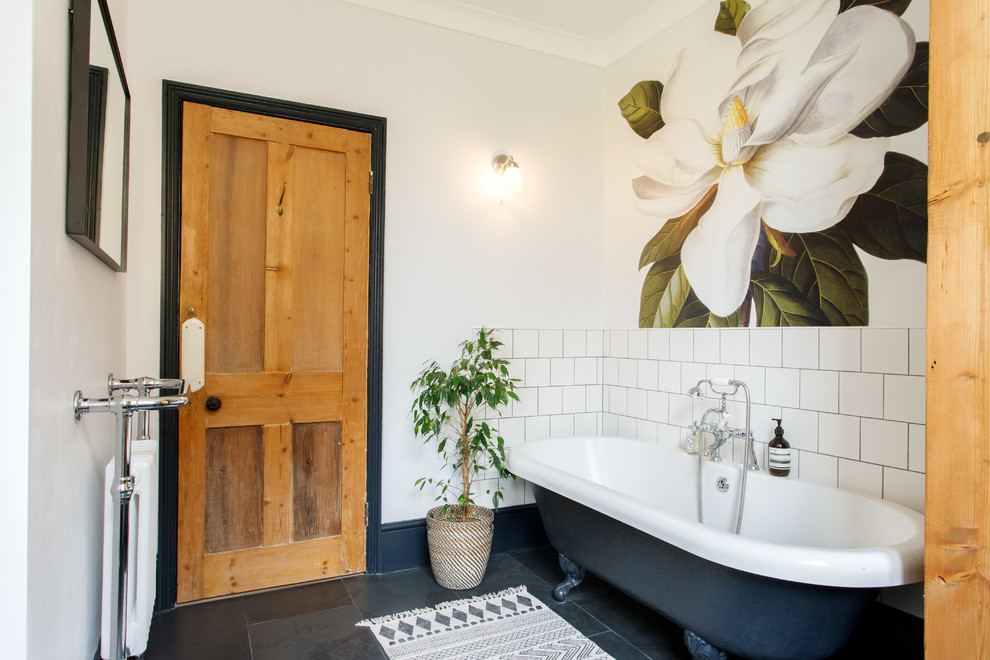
(574, 576)
(700, 649)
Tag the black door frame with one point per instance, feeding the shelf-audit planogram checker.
(173, 96)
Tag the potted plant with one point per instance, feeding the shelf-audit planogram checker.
(447, 411)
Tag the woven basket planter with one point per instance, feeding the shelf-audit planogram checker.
(459, 550)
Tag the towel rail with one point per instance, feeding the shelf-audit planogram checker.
(123, 406)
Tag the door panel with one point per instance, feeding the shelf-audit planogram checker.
(275, 262)
(317, 284)
(315, 470)
(236, 300)
(233, 491)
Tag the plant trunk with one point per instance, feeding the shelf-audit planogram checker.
(466, 476)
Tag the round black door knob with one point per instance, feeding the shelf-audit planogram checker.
(213, 403)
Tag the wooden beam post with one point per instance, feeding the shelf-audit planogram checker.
(957, 498)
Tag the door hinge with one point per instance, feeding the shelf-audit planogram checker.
(371, 181)
(366, 514)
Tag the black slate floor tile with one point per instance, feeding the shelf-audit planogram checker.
(631, 620)
(215, 629)
(389, 593)
(504, 572)
(327, 634)
(544, 562)
(664, 652)
(317, 620)
(886, 633)
(616, 647)
(292, 601)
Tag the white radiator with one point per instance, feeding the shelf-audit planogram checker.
(142, 549)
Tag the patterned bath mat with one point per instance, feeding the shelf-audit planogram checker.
(507, 624)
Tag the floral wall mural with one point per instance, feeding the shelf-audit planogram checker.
(767, 159)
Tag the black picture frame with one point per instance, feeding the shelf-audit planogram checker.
(88, 129)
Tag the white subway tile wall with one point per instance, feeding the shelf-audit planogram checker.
(885, 350)
(734, 347)
(852, 400)
(799, 348)
(551, 343)
(575, 343)
(839, 349)
(765, 347)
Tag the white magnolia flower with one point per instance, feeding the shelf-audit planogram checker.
(765, 116)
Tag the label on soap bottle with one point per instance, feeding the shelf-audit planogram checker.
(780, 458)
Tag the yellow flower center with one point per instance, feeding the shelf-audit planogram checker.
(735, 130)
(735, 117)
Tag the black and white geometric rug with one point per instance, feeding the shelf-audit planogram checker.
(507, 624)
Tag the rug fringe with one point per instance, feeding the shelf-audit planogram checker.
(391, 617)
(450, 603)
(457, 603)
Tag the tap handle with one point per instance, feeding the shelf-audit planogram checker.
(153, 402)
(165, 384)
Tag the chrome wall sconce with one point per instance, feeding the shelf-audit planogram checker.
(507, 168)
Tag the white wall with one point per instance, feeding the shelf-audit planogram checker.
(454, 258)
(16, 40)
(76, 337)
(897, 288)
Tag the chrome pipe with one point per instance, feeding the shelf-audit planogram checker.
(135, 404)
(165, 384)
(722, 433)
(142, 386)
(124, 406)
(81, 405)
(121, 489)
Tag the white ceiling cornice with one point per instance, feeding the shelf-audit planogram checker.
(518, 32)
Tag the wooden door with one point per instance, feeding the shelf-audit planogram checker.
(274, 262)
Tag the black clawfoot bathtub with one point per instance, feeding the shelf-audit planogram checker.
(792, 586)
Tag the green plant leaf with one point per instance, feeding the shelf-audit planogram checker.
(896, 6)
(906, 109)
(641, 107)
(446, 409)
(829, 274)
(890, 221)
(730, 15)
(670, 238)
(780, 303)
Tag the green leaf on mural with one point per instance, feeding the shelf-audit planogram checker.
(890, 221)
(667, 300)
(696, 315)
(780, 247)
(906, 109)
(670, 238)
(641, 107)
(830, 275)
(896, 6)
(730, 15)
(674, 297)
(779, 303)
(654, 286)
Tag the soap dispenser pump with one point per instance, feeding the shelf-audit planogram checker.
(779, 464)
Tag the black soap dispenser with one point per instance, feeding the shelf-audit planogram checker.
(780, 453)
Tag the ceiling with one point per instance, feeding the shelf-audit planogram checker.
(592, 31)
